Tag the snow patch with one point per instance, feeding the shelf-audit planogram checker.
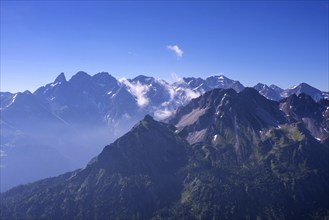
(294, 87)
(55, 84)
(13, 100)
(215, 139)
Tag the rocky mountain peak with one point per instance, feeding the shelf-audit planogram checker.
(143, 79)
(80, 77)
(276, 88)
(60, 78)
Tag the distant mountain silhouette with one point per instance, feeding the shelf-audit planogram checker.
(78, 116)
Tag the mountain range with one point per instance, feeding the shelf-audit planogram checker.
(223, 155)
(70, 120)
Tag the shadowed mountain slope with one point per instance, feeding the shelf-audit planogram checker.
(229, 156)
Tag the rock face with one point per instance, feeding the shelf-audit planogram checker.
(270, 92)
(275, 93)
(307, 89)
(225, 155)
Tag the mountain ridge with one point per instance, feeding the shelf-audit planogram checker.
(246, 166)
(66, 112)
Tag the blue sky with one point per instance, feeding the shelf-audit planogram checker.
(273, 42)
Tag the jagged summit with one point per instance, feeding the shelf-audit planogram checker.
(268, 91)
(103, 76)
(103, 102)
(60, 78)
(227, 150)
(276, 88)
(148, 118)
(142, 79)
(149, 123)
(80, 76)
(220, 81)
(303, 88)
(105, 80)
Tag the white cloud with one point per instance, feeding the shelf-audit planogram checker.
(190, 94)
(138, 90)
(177, 78)
(162, 114)
(169, 88)
(171, 91)
(176, 49)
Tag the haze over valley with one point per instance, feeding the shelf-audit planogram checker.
(164, 110)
